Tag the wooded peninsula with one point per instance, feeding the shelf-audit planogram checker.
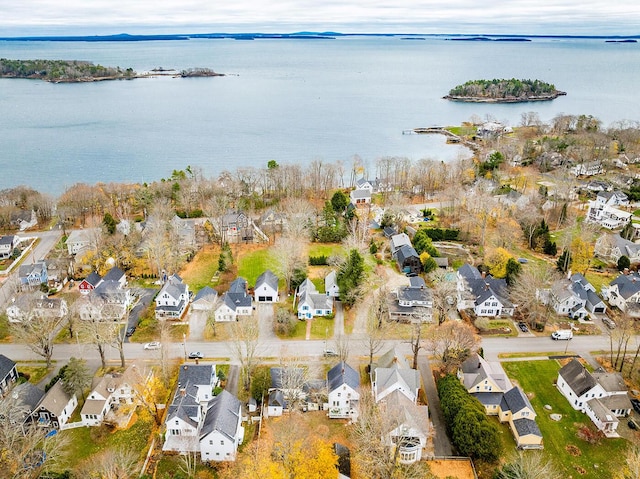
(504, 91)
(76, 71)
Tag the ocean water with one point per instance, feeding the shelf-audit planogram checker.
(293, 101)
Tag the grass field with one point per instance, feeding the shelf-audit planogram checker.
(321, 327)
(253, 263)
(86, 441)
(198, 273)
(596, 460)
(35, 370)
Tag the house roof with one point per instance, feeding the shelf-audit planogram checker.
(269, 279)
(174, 287)
(81, 236)
(93, 406)
(405, 413)
(330, 280)
(392, 359)
(238, 286)
(36, 268)
(617, 402)
(610, 382)
(360, 194)
(399, 240)
(341, 374)
(415, 293)
(276, 399)
(206, 294)
(405, 252)
(7, 239)
(515, 400)
(628, 284)
(488, 399)
(184, 407)
(280, 380)
(526, 427)
(6, 365)
(93, 279)
(55, 399)
(196, 374)
(387, 377)
(223, 415)
(469, 272)
(602, 412)
(577, 377)
(476, 369)
(114, 274)
(26, 396)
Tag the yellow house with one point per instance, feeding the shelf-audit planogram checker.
(485, 381)
(516, 409)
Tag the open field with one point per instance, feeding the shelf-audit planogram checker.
(588, 461)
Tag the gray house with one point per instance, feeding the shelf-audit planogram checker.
(8, 374)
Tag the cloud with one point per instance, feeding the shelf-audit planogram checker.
(429, 16)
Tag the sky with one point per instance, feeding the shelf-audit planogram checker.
(544, 17)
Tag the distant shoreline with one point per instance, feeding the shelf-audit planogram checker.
(477, 99)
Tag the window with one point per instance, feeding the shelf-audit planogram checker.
(211, 442)
(222, 443)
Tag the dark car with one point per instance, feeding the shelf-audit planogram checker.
(636, 404)
(523, 327)
(130, 331)
(632, 424)
(195, 355)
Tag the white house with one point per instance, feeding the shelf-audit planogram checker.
(310, 303)
(186, 412)
(486, 381)
(602, 396)
(387, 380)
(487, 296)
(173, 299)
(360, 197)
(112, 391)
(624, 292)
(603, 210)
(80, 241)
(331, 287)
(205, 300)
(276, 403)
(410, 428)
(343, 383)
(575, 297)
(587, 168)
(266, 289)
(7, 244)
(35, 305)
(610, 247)
(55, 409)
(221, 432)
(24, 219)
(235, 302)
(414, 302)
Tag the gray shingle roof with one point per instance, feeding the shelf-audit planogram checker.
(93, 279)
(515, 400)
(269, 279)
(27, 395)
(114, 274)
(405, 252)
(6, 365)
(6, 239)
(223, 415)
(488, 399)
(196, 374)
(276, 398)
(577, 377)
(206, 294)
(628, 284)
(341, 374)
(526, 427)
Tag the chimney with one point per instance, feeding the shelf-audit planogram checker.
(483, 274)
(183, 392)
(625, 271)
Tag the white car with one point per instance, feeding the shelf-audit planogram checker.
(152, 345)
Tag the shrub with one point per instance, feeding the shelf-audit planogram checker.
(318, 260)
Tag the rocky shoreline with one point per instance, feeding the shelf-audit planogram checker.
(479, 99)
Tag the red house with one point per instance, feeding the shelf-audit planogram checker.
(89, 283)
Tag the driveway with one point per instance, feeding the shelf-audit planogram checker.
(232, 379)
(197, 324)
(338, 321)
(265, 321)
(146, 296)
(441, 444)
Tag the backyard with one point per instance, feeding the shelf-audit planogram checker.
(574, 456)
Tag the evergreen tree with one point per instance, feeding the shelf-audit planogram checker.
(623, 263)
(350, 277)
(564, 261)
(339, 201)
(513, 270)
(109, 222)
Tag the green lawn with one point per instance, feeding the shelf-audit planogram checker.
(598, 460)
(86, 441)
(34, 370)
(253, 264)
(198, 273)
(598, 280)
(321, 327)
(326, 249)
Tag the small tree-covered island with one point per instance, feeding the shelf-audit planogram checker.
(504, 91)
(76, 71)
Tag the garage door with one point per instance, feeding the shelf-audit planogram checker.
(263, 299)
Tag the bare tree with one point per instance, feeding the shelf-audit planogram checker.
(377, 326)
(374, 457)
(111, 464)
(98, 333)
(293, 376)
(244, 344)
(188, 463)
(341, 345)
(451, 343)
(444, 297)
(289, 255)
(38, 333)
(149, 390)
(530, 292)
(416, 342)
(619, 340)
(298, 213)
(25, 453)
(529, 465)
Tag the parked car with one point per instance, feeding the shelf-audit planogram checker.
(562, 334)
(130, 331)
(636, 404)
(609, 323)
(195, 355)
(152, 345)
(523, 327)
(329, 353)
(633, 425)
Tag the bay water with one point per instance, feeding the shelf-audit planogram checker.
(293, 101)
